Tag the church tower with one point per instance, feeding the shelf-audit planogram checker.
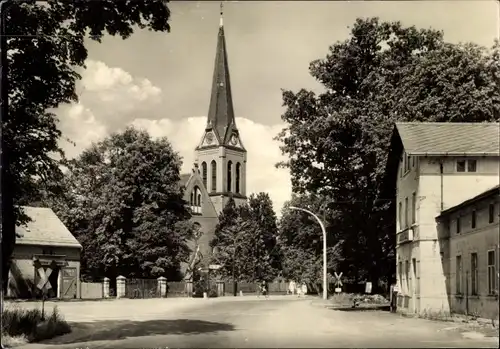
(220, 155)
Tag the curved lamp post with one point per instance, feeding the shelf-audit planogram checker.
(323, 230)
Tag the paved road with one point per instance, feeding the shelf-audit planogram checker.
(248, 322)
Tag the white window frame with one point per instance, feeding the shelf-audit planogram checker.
(491, 276)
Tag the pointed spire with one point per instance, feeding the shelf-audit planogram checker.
(221, 23)
(221, 113)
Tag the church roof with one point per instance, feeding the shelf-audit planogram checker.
(221, 111)
(184, 179)
(45, 228)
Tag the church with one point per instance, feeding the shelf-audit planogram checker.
(219, 170)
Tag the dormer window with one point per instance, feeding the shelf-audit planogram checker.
(467, 165)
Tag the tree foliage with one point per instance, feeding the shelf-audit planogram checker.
(46, 44)
(301, 240)
(337, 141)
(245, 240)
(124, 204)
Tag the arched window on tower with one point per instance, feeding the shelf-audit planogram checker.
(196, 201)
(213, 168)
(238, 177)
(229, 175)
(191, 202)
(204, 173)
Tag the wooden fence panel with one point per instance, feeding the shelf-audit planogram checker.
(91, 290)
(176, 289)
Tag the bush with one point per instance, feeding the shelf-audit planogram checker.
(18, 322)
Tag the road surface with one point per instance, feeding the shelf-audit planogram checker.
(249, 322)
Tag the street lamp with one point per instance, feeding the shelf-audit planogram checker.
(323, 230)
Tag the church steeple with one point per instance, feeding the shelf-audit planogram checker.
(221, 113)
(220, 154)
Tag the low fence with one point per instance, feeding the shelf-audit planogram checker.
(176, 289)
(91, 290)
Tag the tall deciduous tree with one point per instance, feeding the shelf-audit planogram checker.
(245, 240)
(124, 204)
(264, 250)
(46, 47)
(231, 243)
(337, 141)
(301, 240)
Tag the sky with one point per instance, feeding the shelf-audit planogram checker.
(160, 82)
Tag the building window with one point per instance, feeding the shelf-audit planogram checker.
(406, 212)
(458, 225)
(491, 213)
(407, 272)
(238, 175)
(471, 165)
(467, 165)
(414, 275)
(414, 208)
(473, 219)
(408, 162)
(400, 276)
(473, 274)
(400, 215)
(213, 167)
(196, 201)
(229, 175)
(458, 276)
(204, 173)
(492, 275)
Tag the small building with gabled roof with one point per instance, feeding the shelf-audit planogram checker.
(432, 167)
(46, 254)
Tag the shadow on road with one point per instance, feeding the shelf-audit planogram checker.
(114, 330)
(364, 308)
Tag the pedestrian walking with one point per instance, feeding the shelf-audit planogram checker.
(265, 291)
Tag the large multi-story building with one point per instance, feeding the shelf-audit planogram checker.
(434, 167)
(219, 171)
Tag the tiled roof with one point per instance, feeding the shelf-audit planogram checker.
(440, 138)
(184, 178)
(45, 228)
(221, 112)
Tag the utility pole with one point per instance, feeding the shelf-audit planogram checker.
(323, 230)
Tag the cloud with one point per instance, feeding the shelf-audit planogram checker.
(111, 99)
(263, 152)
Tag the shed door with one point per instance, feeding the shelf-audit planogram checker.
(68, 283)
